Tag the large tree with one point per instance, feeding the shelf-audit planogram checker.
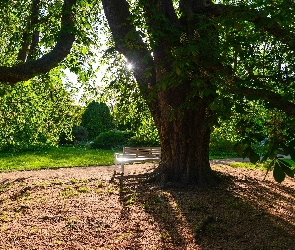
(193, 61)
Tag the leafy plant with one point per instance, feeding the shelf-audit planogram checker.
(35, 113)
(112, 139)
(80, 134)
(96, 119)
(221, 145)
(280, 169)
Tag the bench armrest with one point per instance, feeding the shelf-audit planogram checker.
(116, 156)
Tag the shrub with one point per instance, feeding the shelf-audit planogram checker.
(148, 139)
(221, 146)
(146, 134)
(80, 134)
(112, 139)
(97, 119)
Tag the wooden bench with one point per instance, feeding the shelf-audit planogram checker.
(134, 154)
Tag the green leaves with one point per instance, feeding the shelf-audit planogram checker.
(246, 151)
(34, 113)
(278, 173)
(281, 168)
(97, 119)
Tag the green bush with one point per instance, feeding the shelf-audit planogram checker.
(97, 119)
(147, 139)
(220, 145)
(146, 134)
(80, 134)
(112, 139)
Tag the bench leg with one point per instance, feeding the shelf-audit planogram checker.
(122, 168)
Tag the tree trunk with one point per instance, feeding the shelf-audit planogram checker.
(181, 114)
(185, 136)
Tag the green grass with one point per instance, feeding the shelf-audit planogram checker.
(248, 165)
(55, 158)
(262, 166)
(222, 155)
(78, 156)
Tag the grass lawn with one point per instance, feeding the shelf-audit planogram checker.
(262, 166)
(62, 157)
(55, 158)
(81, 156)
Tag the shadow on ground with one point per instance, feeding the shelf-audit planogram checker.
(240, 213)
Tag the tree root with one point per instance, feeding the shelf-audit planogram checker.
(157, 176)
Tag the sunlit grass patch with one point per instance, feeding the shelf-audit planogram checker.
(249, 165)
(262, 166)
(55, 158)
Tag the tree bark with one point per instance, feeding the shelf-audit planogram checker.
(185, 137)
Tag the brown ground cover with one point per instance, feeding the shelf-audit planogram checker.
(79, 208)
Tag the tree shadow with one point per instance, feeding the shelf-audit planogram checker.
(239, 213)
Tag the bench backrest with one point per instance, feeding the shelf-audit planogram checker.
(142, 152)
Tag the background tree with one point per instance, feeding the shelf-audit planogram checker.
(96, 119)
(129, 109)
(35, 113)
(193, 60)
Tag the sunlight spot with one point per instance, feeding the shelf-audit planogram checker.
(129, 66)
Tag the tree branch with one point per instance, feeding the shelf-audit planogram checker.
(169, 12)
(28, 70)
(271, 98)
(273, 28)
(36, 33)
(23, 52)
(129, 43)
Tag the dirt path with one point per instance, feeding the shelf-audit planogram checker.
(102, 172)
(79, 208)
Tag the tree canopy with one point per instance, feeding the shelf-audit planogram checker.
(34, 113)
(195, 62)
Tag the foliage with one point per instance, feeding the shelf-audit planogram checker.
(257, 132)
(221, 144)
(146, 135)
(130, 110)
(31, 46)
(55, 158)
(112, 139)
(80, 134)
(96, 119)
(34, 113)
(280, 169)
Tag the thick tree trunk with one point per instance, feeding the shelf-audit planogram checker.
(185, 136)
(181, 115)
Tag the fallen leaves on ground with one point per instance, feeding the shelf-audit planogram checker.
(66, 211)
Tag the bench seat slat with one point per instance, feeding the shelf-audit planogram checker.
(126, 159)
